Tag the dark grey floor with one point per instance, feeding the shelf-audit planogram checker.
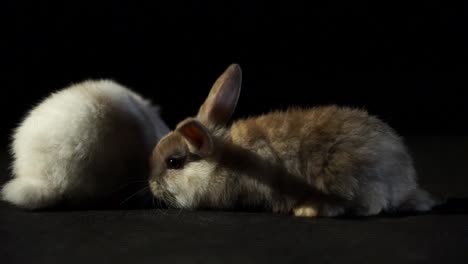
(149, 236)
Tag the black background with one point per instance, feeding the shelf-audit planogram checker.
(403, 63)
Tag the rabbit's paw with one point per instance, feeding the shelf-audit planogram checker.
(306, 210)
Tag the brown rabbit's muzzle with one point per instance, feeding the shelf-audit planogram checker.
(159, 190)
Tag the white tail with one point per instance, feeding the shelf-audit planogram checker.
(29, 193)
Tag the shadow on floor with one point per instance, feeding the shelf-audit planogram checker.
(452, 206)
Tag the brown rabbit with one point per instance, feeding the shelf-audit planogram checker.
(323, 161)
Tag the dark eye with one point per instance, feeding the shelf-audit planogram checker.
(175, 163)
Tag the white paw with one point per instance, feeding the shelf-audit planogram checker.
(305, 211)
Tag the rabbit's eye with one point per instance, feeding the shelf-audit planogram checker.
(175, 163)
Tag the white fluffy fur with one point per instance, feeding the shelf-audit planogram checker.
(80, 144)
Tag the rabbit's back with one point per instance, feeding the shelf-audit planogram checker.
(341, 151)
(78, 143)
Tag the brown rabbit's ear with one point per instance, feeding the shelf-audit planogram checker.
(197, 135)
(222, 100)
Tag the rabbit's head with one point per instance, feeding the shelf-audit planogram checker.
(183, 164)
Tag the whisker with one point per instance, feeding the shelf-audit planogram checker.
(127, 184)
(179, 212)
(146, 188)
(163, 211)
(159, 207)
(171, 199)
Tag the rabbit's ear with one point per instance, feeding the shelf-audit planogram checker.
(222, 100)
(198, 137)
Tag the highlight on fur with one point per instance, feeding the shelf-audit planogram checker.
(321, 161)
(81, 144)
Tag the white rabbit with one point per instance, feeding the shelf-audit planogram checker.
(79, 145)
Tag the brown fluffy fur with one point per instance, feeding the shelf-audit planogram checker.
(323, 161)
